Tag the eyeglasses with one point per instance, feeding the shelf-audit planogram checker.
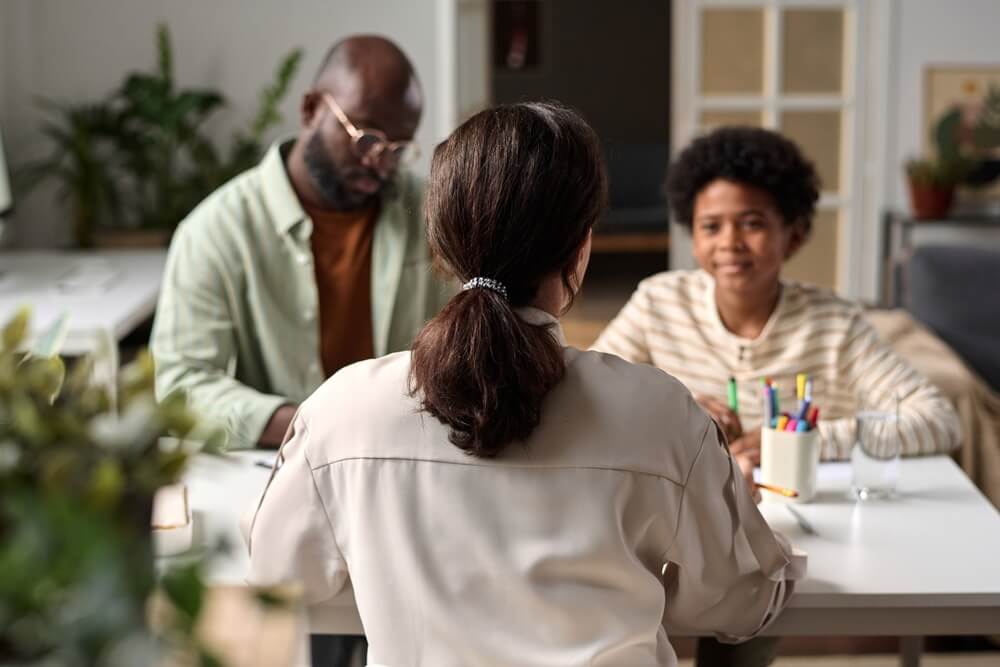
(373, 144)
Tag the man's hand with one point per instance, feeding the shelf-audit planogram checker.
(727, 420)
(274, 432)
(746, 467)
(747, 445)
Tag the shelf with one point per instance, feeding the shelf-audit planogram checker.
(652, 242)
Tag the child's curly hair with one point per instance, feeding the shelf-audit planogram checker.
(751, 156)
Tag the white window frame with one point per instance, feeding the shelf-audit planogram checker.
(861, 187)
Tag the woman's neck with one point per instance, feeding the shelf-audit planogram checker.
(747, 315)
(551, 296)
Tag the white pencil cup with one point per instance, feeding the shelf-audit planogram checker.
(789, 460)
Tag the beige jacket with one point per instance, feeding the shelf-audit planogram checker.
(557, 553)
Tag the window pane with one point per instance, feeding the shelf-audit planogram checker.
(818, 135)
(812, 51)
(816, 261)
(732, 51)
(718, 118)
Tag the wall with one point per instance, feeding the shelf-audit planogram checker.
(611, 61)
(930, 32)
(73, 51)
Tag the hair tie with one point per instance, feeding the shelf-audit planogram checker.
(486, 283)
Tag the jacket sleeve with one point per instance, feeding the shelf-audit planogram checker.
(291, 538)
(194, 342)
(928, 423)
(726, 572)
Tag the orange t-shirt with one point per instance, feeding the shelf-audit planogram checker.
(342, 258)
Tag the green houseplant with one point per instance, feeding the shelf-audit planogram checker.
(173, 163)
(932, 181)
(76, 567)
(965, 155)
(140, 159)
(83, 161)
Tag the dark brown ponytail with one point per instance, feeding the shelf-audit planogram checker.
(513, 193)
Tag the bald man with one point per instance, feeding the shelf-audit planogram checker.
(312, 260)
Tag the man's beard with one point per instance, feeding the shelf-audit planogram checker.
(329, 182)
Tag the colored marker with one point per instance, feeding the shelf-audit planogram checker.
(734, 401)
(766, 398)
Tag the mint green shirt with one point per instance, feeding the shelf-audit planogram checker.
(237, 324)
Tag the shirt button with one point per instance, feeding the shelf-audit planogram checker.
(308, 314)
(314, 367)
(303, 259)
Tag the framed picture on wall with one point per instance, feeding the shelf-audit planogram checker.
(965, 86)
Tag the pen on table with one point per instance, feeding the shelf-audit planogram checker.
(263, 464)
(801, 520)
(788, 493)
(734, 401)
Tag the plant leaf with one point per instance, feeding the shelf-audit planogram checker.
(16, 330)
(50, 342)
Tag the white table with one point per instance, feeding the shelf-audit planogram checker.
(222, 492)
(105, 294)
(925, 563)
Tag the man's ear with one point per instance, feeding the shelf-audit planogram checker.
(309, 109)
(797, 236)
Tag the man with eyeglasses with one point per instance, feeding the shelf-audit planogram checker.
(312, 260)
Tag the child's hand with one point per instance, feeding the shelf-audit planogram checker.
(747, 445)
(727, 420)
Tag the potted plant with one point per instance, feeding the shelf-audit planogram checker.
(83, 161)
(932, 186)
(76, 567)
(135, 163)
(933, 181)
(966, 140)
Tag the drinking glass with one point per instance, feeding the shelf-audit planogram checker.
(875, 456)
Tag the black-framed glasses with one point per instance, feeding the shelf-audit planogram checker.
(374, 144)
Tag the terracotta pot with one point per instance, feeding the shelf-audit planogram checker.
(931, 202)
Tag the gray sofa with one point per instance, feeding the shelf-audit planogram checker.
(955, 292)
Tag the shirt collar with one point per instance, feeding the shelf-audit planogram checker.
(282, 202)
(533, 315)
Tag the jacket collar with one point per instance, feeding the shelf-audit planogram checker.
(282, 202)
(537, 316)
